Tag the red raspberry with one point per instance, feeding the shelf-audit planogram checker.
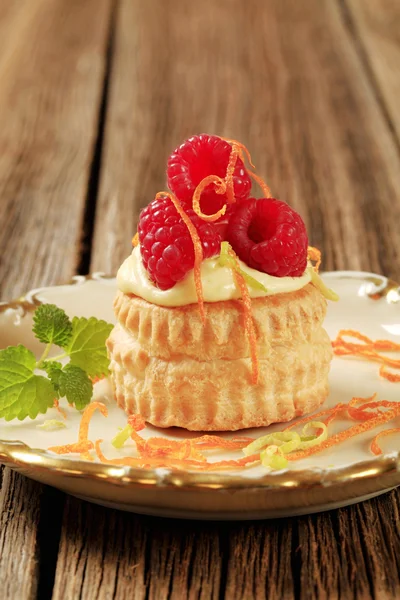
(269, 236)
(199, 156)
(165, 242)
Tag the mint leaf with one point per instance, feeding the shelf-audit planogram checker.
(75, 385)
(54, 371)
(23, 357)
(22, 393)
(51, 325)
(87, 346)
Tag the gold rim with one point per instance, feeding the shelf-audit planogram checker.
(18, 455)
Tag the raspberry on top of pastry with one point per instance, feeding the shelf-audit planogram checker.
(219, 309)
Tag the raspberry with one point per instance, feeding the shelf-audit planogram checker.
(165, 243)
(269, 236)
(199, 156)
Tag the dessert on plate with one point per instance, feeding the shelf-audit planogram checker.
(219, 311)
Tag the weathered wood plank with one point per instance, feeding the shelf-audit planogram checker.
(52, 56)
(376, 24)
(19, 517)
(108, 554)
(51, 72)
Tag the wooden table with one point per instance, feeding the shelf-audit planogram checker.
(94, 94)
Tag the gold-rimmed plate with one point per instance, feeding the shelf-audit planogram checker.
(345, 474)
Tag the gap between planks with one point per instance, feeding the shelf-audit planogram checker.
(89, 215)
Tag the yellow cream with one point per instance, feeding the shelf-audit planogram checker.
(218, 283)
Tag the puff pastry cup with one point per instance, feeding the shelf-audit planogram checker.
(175, 371)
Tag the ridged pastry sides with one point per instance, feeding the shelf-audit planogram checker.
(205, 395)
(173, 332)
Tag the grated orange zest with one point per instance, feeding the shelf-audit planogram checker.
(330, 412)
(221, 188)
(264, 187)
(137, 422)
(213, 442)
(248, 319)
(198, 249)
(315, 255)
(375, 448)
(368, 349)
(242, 150)
(342, 436)
(79, 447)
(135, 240)
(58, 407)
(393, 377)
(230, 194)
(177, 463)
(83, 445)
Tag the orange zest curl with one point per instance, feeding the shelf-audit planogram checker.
(248, 318)
(368, 349)
(374, 421)
(393, 377)
(83, 445)
(188, 453)
(58, 407)
(241, 150)
(198, 249)
(173, 461)
(221, 188)
(375, 448)
(230, 194)
(226, 186)
(135, 240)
(315, 255)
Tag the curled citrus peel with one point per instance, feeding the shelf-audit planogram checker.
(220, 188)
(242, 151)
(342, 436)
(226, 185)
(230, 194)
(274, 450)
(393, 377)
(368, 349)
(58, 407)
(247, 310)
(83, 445)
(375, 448)
(198, 249)
(135, 240)
(314, 254)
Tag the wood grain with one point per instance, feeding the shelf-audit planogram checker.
(109, 554)
(19, 517)
(376, 27)
(52, 56)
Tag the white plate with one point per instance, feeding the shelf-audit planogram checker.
(345, 474)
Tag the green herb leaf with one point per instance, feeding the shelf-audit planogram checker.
(53, 369)
(22, 393)
(51, 325)
(75, 385)
(87, 346)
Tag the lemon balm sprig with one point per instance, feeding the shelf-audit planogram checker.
(25, 393)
